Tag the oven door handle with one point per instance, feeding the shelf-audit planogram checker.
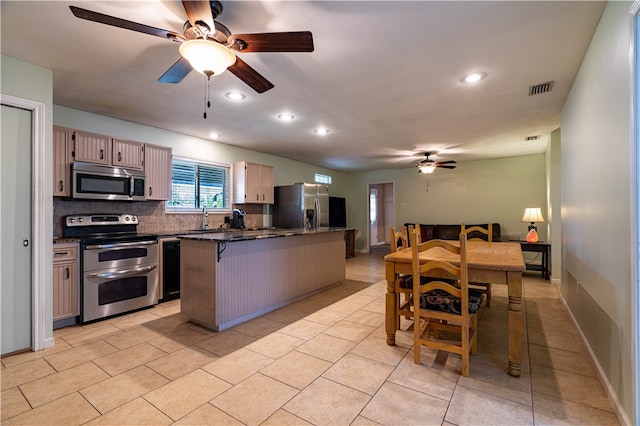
(122, 274)
(119, 245)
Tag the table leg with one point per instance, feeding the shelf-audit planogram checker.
(391, 308)
(514, 280)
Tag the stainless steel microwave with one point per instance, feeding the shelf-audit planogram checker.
(99, 182)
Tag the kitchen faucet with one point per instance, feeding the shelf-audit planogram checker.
(204, 215)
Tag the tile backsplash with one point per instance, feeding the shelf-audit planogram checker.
(151, 215)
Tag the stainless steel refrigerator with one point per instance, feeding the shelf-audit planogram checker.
(301, 205)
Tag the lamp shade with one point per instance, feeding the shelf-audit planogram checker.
(206, 56)
(532, 214)
(426, 168)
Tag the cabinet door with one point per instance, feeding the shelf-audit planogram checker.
(252, 183)
(127, 154)
(65, 290)
(157, 167)
(266, 184)
(92, 148)
(66, 302)
(61, 161)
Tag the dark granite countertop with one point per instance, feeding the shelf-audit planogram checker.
(237, 235)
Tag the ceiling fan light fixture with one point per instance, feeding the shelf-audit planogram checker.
(321, 131)
(426, 168)
(206, 56)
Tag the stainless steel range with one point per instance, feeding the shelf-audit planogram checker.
(119, 265)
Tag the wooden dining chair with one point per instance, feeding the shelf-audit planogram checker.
(443, 309)
(484, 287)
(400, 240)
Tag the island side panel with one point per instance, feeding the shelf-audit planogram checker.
(197, 281)
(258, 276)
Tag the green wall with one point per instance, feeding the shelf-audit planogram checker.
(599, 214)
(474, 192)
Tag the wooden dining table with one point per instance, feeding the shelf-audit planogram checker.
(495, 263)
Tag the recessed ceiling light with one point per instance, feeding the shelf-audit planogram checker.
(474, 77)
(286, 116)
(214, 135)
(321, 131)
(236, 96)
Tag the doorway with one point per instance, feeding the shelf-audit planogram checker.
(380, 212)
(15, 206)
(32, 233)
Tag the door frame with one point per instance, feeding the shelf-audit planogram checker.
(393, 208)
(39, 265)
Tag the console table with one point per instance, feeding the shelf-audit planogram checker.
(539, 247)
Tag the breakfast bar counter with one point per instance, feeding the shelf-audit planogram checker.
(230, 277)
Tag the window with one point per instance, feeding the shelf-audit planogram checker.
(196, 184)
(322, 178)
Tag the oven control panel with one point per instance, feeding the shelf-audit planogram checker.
(101, 219)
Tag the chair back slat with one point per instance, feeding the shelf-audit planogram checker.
(479, 229)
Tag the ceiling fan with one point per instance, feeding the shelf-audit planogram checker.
(428, 166)
(208, 46)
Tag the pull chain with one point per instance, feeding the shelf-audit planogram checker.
(207, 93)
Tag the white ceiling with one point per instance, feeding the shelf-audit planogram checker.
(384, 76)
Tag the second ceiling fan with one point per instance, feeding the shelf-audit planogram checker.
(428, 165)
(204, 39)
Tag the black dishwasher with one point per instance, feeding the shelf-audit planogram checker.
(170, 270)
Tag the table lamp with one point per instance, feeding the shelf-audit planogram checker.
(532, 214)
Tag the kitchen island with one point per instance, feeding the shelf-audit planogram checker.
(230, 277)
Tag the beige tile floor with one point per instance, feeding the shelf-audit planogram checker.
(323, 360)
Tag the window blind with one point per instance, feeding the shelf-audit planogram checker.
(195, 185)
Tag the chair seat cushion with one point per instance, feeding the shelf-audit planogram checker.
(440, 300)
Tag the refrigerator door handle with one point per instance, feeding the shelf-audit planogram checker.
(318, 213)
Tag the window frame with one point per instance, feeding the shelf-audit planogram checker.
(226, 167)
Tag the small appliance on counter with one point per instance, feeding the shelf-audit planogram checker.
(237, 220)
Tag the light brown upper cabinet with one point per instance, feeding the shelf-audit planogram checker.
(91, 148)
(61, 160)
(127, 154)
(157, 168)
(253, 183)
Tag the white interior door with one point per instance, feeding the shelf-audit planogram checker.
(15, 227)
(373, 216)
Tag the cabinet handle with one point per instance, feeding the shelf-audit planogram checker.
(262, 197)
(119, 156)
(257, 197)
(150, 191)
(61, 253)
(102, 154)
(68, 273)
(61, 186)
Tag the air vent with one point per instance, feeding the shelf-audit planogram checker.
(540, 88)
(532, 138)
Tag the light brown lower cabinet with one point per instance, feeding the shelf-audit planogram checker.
(66, 282)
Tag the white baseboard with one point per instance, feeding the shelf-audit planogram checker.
(49, 342)
(623, 418)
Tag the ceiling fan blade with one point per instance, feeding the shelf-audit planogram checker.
(123, 23)
(176, 72)
(199, 12)
(294, 41)
(447, 162)
(447, 167)
(253, 78)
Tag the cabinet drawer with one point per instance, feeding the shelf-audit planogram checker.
(65, 252)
